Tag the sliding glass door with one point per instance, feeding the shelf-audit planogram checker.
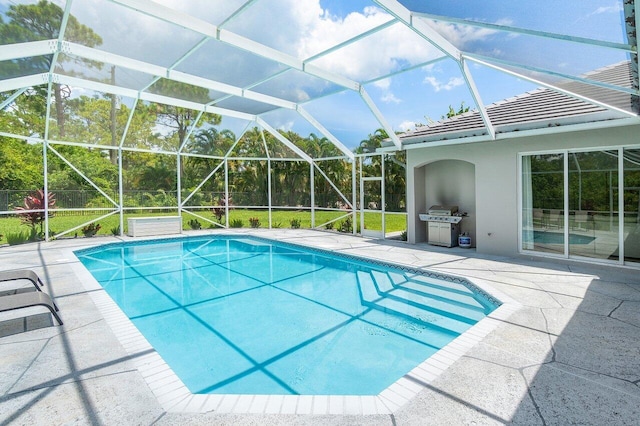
(593, 204)
(543, 203)
(582, 204)
(631, 234)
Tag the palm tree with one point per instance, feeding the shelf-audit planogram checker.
(206, 142)
(373, 142)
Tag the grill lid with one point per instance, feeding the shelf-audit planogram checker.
(442, 210)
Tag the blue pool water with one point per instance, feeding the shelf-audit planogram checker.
(253, 316)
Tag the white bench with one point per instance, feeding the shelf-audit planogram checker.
(156, 225)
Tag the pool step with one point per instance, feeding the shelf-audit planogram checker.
(440, 290)
(382, 292)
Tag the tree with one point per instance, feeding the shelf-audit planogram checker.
(373, 142)
(452, 112)
(93, 165)
(206, 142)
(336, 170)
(42, 21)
(395, 173)
(90, 121)
(22, 167)
(179, 119)
(26, 115)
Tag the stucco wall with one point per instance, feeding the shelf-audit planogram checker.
(496, 179)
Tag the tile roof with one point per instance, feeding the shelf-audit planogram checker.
(538, 108)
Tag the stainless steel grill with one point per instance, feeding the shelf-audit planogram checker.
(443, 225)
(441, 214)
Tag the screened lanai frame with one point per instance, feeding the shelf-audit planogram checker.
(430, 27)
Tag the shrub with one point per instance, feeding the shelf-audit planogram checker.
(403, 236)
(91, 229)
(254, 222)
(236, 223)
(276, 225)
(295, 223)
(346, 226)
(36, 201)
(329, 226)
(15, 238)
(115, 231)
(195, 224)
(219, 211)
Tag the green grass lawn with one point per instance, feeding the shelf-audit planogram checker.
(279, 219)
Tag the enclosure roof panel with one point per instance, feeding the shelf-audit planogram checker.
(400, 60)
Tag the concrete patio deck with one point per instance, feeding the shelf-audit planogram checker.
(569, 354)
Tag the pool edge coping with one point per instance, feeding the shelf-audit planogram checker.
(174, 396)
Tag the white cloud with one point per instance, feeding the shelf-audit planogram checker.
(462, 35)
(390, 98)
(383, 84)
(439, 85)
(616, 8)
(387, 95)
(407, 125)
(286, 126)
(376, 55)
(602, 10)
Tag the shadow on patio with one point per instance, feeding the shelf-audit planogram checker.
(570, 355)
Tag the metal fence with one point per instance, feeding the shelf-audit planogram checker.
(81, 199)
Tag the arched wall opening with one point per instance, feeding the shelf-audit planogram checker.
(446, 182)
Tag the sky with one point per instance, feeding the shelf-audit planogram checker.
(304, 28)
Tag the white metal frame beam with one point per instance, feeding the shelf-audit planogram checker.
(466, 74)
(315, 123)
(169, 73)
(420, 27)
(333, 185)
(402, 71)
(238, 12)
(352, 40)
(205, 28)
(553, 87)
(284, 140)
(381, 118)
(22, 82)
(12, 98)
(9, 52)
(145, 96)
(425, 30)
(105, 57)
(83, 176)
(636, 8)
(518, 30)
(497, 61)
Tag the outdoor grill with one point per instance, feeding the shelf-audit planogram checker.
(443, 225)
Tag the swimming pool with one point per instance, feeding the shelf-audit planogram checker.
(239, 315)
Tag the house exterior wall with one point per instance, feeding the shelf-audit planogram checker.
(496, 180)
